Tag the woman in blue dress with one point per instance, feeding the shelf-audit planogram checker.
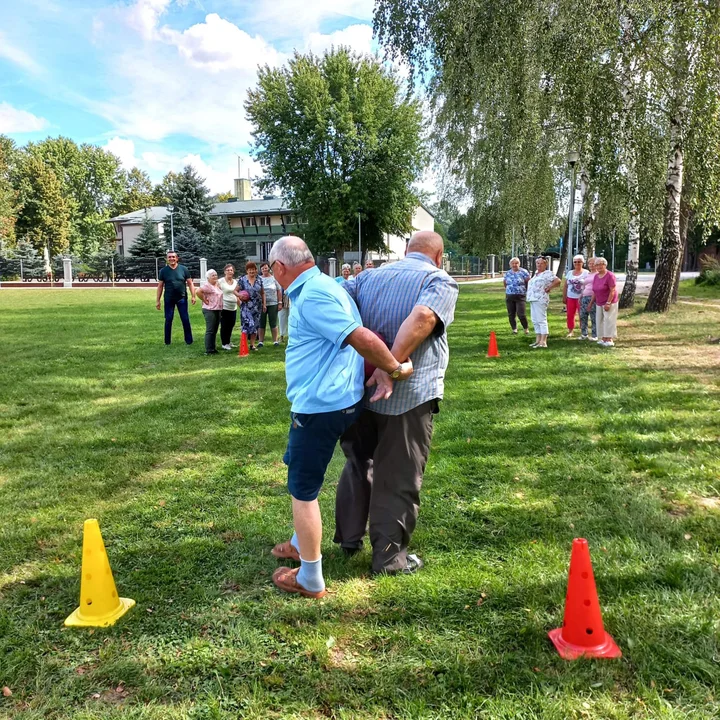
(249, 286)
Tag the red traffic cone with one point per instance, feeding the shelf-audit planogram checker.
(492, 347)
(243, 350)
(582, 633)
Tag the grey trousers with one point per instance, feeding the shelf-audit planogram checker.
(385, 461)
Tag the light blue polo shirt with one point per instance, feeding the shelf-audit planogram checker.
(323, 374)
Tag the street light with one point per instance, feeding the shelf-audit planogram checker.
(572, 157)
(359, 237)
(172, 231)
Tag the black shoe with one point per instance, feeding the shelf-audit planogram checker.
(350, 551)
(412, 565)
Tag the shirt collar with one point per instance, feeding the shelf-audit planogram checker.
(420, 256)
(296, 285)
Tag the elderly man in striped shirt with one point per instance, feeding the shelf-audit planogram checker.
(410, 303)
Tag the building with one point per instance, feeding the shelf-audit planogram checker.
(259, 223)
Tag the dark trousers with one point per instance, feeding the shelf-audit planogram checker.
(212, 322)
(516, 306)
(385, 461)
(270, 314)
(228, 318)
(182, 307)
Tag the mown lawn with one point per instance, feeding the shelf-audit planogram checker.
(688, 288)
(179, 457)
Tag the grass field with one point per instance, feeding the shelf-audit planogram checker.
(688, 288)
(179, 457)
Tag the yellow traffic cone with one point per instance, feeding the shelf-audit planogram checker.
(100, 605)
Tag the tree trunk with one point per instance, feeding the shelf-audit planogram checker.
(684, 226)
(563, 254)
(670, 255)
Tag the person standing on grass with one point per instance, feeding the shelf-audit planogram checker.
(516, 281)
(538, 295)
(254, 306)
(605, 298)
(573, 287)
(345, 273)
(585, 313)
(228, 316)
(212, 303)
(174, 280)
(273, 297)
(410, 303)
(324, 371)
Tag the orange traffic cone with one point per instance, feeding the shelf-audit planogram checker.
(582, 633)
(492, 347)
(243, 351)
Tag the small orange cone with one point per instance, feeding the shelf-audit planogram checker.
(492, 347)
(243, 351)
(100, 605)
(582, 633)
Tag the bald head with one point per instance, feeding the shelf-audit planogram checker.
(291, 251)
(428, 243)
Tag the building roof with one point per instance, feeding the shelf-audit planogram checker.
(157, 213)
(245, 207)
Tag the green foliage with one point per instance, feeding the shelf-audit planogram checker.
(710, 274)
(165, 191)
(336, 135)
(8, 195)
(148, 243)
(224, 247)
(44, 218)
(189, 243)
(137, 192)
(192, 202)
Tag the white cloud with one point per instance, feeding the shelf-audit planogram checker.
(357, 37)
(13, 120)
(124, 149)
(16, 55)
(144, 15)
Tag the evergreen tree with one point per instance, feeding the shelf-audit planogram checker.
(192, 201)
(8, 211)
(32, 262)
(224, 247)
(148, 243)
(189, 242)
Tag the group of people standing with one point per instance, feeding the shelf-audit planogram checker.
(590, 293)
(260, 299)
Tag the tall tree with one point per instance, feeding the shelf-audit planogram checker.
(339, 138)
(44, 219)
(224, 247)
(192, 202)
(148, 243)
(164, 191)
(137, 193)
(8, 195)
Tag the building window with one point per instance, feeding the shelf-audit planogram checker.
(288, 219)
(249, 221)
(264, 221)
(250, 249)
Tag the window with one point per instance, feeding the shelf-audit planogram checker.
(264, 220)
(249, 221)
(288, 219)
(249, 249)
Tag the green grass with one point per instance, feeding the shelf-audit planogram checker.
(688, 288)
(179, 457)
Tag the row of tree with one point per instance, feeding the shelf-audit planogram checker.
(633, 85)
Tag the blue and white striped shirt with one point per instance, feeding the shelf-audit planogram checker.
(385, 297)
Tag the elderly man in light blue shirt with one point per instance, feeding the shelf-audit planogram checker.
(324, 371)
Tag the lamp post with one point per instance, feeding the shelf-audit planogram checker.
(359, 238)
(572, 157)
(172, 230)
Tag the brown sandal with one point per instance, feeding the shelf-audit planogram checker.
(286, 551)
(286, 579)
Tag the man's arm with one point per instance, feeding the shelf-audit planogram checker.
(416, 328)
(160, 287)
(374, 350)
(189, 283)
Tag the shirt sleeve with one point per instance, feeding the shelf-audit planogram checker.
(328, 317)
(440, 294)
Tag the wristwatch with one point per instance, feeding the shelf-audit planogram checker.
(395, 374)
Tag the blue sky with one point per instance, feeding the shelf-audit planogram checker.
(158, 82)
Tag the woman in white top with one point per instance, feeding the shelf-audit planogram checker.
(538, 295)
(573, 287)
(228, 316)
(273, 298)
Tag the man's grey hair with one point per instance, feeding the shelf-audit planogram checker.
(291, 251)
(346, 265)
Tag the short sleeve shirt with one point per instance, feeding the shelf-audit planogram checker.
(538, 284)
(323, 373)
(516, 282)
(271, 289)
(604, 288)
(175, 282)
(213, 297)
(576, 283)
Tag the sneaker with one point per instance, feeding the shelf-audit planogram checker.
(227, 347)
(260, 344)
(413, 564)
(527, 332)
(602, 343)
(609, 343)
(514, 332)
(276, 343)
(534, 345)
(583, 337)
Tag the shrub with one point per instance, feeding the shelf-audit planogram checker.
(710, 273)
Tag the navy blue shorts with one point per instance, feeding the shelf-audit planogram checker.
(311, 444)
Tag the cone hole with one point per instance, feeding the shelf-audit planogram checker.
(584, 576)
(589, 631)
(586, 603)
(107, 572)
(114, 594)
(88, 576)
(88, 601)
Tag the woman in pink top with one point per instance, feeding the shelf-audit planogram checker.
(212, 305)
(585, 300)
(605, 298)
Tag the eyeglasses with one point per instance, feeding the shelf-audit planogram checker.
(577, 261)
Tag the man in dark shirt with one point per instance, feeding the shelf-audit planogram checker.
(174, 280)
